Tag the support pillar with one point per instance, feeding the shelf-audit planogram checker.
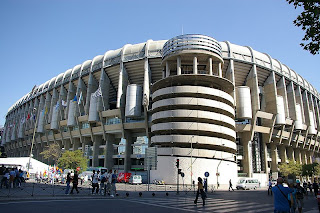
(97, 141)
(127, 158)
(290, 153)
(274, 158)
(195, 65)
(283, 153)
(167, 69)
(210, 66)
(247, 154)
(108, 160)
(297, 155)
(178, 65)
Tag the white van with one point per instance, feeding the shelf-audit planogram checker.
(135, 179)
(248, 183)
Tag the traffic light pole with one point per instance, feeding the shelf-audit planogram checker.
(177, 165)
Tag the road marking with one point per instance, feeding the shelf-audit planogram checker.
(50, 201)
(152, 204)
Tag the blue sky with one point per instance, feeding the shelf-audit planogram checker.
(40, 39)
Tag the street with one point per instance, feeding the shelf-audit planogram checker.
(219, 201)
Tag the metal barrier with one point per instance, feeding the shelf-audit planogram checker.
(34, 189)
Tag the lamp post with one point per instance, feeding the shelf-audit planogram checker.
(33, 136)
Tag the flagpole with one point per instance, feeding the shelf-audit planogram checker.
(34, 132)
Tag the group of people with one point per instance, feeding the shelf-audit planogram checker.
(104, 183)
(11, 177)
(289, 199)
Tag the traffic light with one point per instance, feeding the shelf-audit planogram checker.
(177, 163)
(179, 171)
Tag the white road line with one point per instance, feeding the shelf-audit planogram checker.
(50, 201)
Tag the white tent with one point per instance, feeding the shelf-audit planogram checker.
(22, 163)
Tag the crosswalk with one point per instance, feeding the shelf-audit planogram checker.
(212, 205)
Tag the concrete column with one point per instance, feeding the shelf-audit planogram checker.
(195, 65)
(92, 87)
(297, 155)
(108, 160)
(274, 162)
(252, 82)
(291, 101)
(309, 157)
(281, 90)
(298, 95)
(178, 65)
(122, 87)
(265, 138)
(247, 154)
(76, 144)
(210, 66)
(103, 101)
(220, 70)
(86, 141)
(97, 141)
(128, 151)
(290, 153)
(167, 69)
(270, 94)
(283, 153)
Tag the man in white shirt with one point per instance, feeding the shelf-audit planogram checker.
(95, 181)
(109, 181)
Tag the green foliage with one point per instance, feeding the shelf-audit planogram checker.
(291, 168)
(53, 151)
(309, 170)
(72, 160)
(309, 21)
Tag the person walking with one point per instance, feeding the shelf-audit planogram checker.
(200, 191)
(109, 181)
(280, 197)
(75, 182)
(102, 183)
(305, 186)
(113, 183)
(292, 197)
(68, 183)
(315, 187)
(95, 182)
(300, 191)
(270, 187)
(230, 185)
(310, 187)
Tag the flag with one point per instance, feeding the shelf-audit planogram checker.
(28, 116)
(64, 103)
(75, 98)
(97, 93)
(80, 98)
(22, 120)
(46, 111)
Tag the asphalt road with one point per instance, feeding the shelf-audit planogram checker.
(220, 201)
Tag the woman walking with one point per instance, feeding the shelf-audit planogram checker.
(200, 191)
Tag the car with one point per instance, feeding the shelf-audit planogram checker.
(135, 179)
(248, 183)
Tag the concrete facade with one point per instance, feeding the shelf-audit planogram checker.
(215, 106)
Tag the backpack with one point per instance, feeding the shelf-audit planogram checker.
(299, 193)
(104, 179)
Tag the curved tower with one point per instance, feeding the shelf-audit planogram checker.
(193, 116)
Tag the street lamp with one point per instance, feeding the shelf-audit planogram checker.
(33, 136)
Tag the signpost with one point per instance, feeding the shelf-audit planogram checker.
(150, 161)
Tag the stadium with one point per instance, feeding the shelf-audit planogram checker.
(209, 106)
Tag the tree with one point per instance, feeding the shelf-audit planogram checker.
(309, 21)
(53, 151)
(309, 170)
(72, 160)
(291, 168)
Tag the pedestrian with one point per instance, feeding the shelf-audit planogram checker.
(113, 183)
(68, 183)
(315, 187)
(270, 187)
(102, 183)
(230, 185)
(305, 187)
(292, 197)
(95, 182)
(299, 195)
(310, 187)
(75, 182)
(109, 181)
(12, 177)
(200, 191)
(5, 179)
(280, 197)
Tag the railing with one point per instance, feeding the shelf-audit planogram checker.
(47, 189)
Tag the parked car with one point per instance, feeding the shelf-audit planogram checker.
(248, 183)
(135, 179)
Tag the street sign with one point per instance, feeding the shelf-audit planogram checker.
(78, 168)
(182, 174)
(150, 161)
(206, 174)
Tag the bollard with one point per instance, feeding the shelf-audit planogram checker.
(140, 194)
